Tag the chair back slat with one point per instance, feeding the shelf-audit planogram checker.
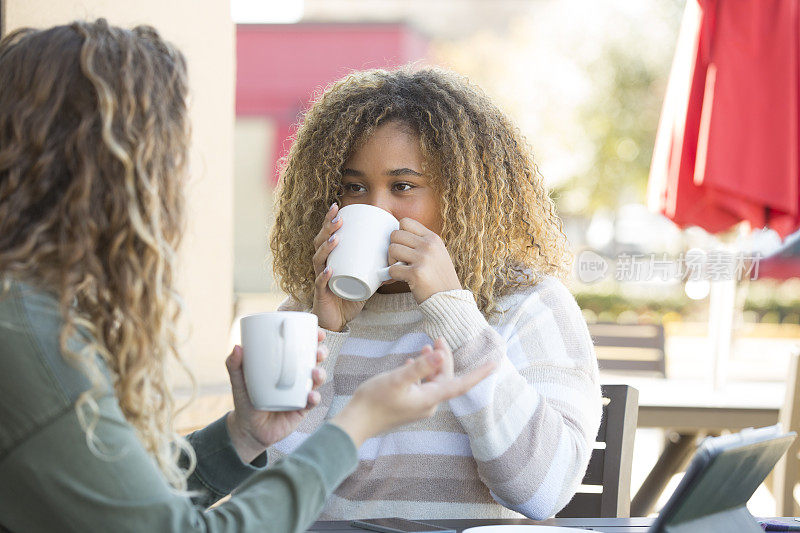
(629, 347)
(610, 467)
(594, 472)
(582, 505)
(601, 433)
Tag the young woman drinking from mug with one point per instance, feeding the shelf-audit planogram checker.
(479, 253)
(93, 141)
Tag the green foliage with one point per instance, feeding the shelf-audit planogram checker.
(616, 304)
(620, 122)
(764, 301)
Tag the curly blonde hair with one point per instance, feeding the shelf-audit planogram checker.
(499, 223)
(93, 143)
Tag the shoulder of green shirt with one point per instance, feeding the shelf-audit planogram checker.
(39, 385)
(37, 382)
(38, 391)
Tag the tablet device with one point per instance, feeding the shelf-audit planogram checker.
(723, 474)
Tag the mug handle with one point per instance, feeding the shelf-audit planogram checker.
(383, 274)
(288, 371)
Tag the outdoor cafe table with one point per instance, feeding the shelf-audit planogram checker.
(607, 525)
(688, 409)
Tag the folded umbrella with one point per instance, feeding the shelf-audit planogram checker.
(727, 144)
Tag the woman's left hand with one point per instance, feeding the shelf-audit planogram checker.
(428, 267)
(253, 431)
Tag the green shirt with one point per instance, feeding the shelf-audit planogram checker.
(51, 481)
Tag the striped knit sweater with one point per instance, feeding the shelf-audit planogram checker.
(519, 442)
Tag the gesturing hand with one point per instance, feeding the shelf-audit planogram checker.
(253, 431)
(428, 268)
(406, 394)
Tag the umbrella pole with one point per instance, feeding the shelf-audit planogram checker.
(722, 303)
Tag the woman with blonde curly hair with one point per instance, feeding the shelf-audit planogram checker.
(93, 141)
(478, 256)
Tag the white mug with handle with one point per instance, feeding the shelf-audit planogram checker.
(280, 351)
(360, 261)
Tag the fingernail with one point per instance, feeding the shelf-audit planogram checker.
(330, 239)
(331, 207)
(327, 270)
(336, 219)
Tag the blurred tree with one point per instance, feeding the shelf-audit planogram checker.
(621, 121)
(585, 81)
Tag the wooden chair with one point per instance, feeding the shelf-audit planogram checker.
(629, 347)
(786, 474)
(610, 466)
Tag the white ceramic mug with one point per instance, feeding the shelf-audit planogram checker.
(280, 350)
(360, 261)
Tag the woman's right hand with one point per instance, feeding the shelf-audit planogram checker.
(333, 313)
(406, 394)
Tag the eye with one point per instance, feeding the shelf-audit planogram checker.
(402, 187)
(353, 188)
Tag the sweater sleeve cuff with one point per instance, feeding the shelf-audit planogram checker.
(453, 315)
(335, 339)
(331, 452)
(218, 464)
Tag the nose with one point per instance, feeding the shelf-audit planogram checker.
(384, 201)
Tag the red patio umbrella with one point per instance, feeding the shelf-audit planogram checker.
(727, 146)
(727, 143)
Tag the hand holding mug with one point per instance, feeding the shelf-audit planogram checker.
(421, 259)
(252, 430)
(332, 311)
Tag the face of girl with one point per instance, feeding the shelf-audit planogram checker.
(387, 172)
